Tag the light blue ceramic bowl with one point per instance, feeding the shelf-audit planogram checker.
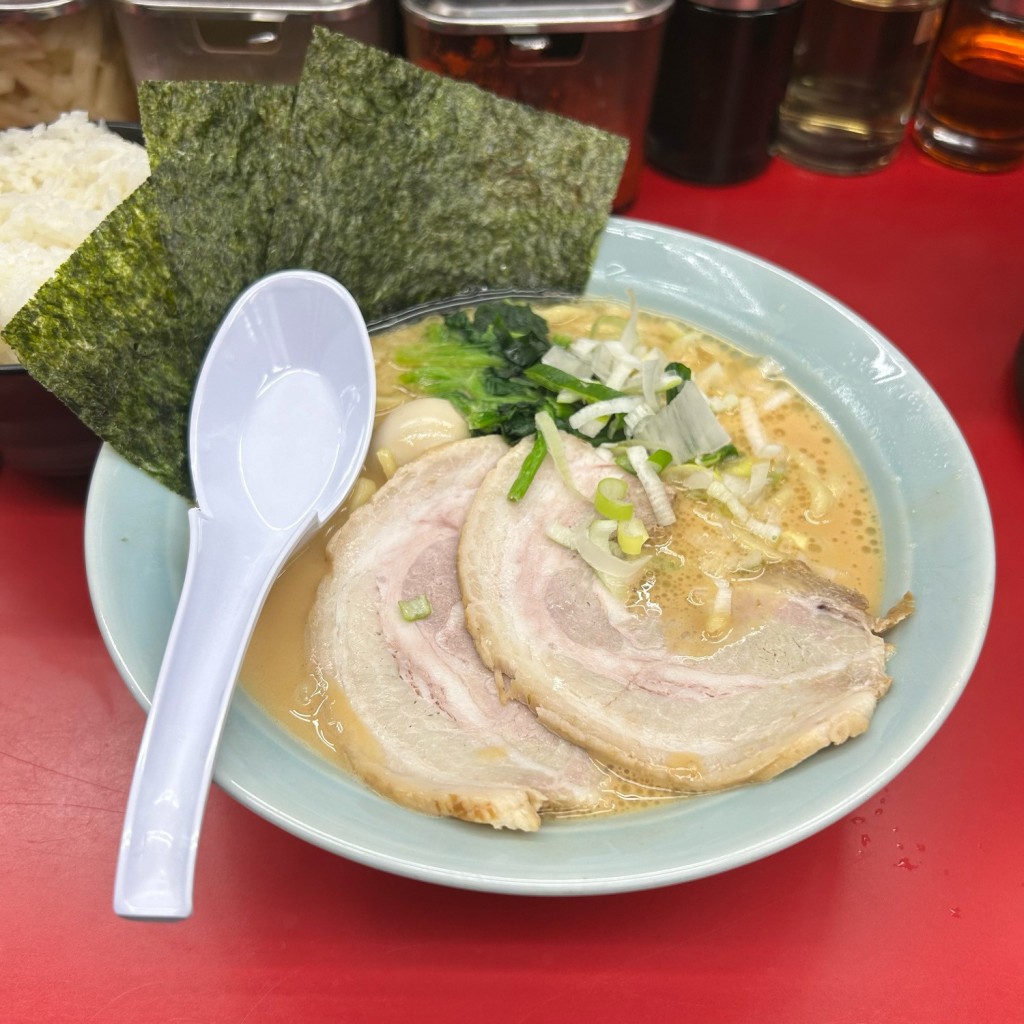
(939, 545)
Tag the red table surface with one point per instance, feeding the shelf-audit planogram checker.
(911, 909)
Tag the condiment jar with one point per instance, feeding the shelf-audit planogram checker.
(62, 55)
(591, 60)
(724, 68)
(971, 114)
(857, 73)
(240, 40)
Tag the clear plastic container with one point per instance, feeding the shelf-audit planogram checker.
(61, 55)
(596, 62)
(240, 40)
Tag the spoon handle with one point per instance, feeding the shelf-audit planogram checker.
(224, 589)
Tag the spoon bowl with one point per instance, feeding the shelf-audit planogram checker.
(280, 424)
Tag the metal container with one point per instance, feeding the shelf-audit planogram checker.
(61, 55)
(593, 61)
(240, 40)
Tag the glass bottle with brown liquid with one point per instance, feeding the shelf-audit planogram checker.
(972, 111)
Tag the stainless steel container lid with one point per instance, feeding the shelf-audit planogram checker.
(39, 10)
(511, 17)
(744, 6)
(1010, 9)
(254, 10)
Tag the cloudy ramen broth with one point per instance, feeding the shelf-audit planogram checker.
(819, 498)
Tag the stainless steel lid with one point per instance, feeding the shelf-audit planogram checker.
(38, 10)
(1012, 10)
(744, 6)
(254, 10)
(511, 17)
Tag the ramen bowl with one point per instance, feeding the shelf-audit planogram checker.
(938, 545)
(39, 433)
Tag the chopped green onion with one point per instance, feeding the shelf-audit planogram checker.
(622, 461)
(660, 458)
(603, 562)
(415, 609)
(529, 468)
(546, 426)
(727, 451)
(609, 499)
(682, 371)
(556, 380)
(632, 535)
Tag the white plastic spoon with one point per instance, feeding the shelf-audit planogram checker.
(280, 424)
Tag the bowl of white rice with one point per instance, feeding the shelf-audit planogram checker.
(57, 182)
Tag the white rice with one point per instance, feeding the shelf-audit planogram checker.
(57, 182)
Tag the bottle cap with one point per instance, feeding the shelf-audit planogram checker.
(1013, 9)
(748, 6)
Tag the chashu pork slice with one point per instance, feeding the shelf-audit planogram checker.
(804, 671)
(421, 719)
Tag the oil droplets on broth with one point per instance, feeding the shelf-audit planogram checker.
(819, 499)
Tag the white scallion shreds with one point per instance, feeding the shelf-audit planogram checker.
(556, 449)
(599, 410)
(759, 474)
(776, 400)
(752, 425)
(636, 416)
(630, 332)
(602, 561)
(719, 492)
(596, 553)
(708, 377)
(698, 480)
(721, 607)
(561, 535)
(650, 372)
(657, 493)
(741, 514)
(723, 403)
(568, 362)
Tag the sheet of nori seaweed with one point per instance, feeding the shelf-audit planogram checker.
(216, 150)
(404, 186)
(417, 187)
(105, 334)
